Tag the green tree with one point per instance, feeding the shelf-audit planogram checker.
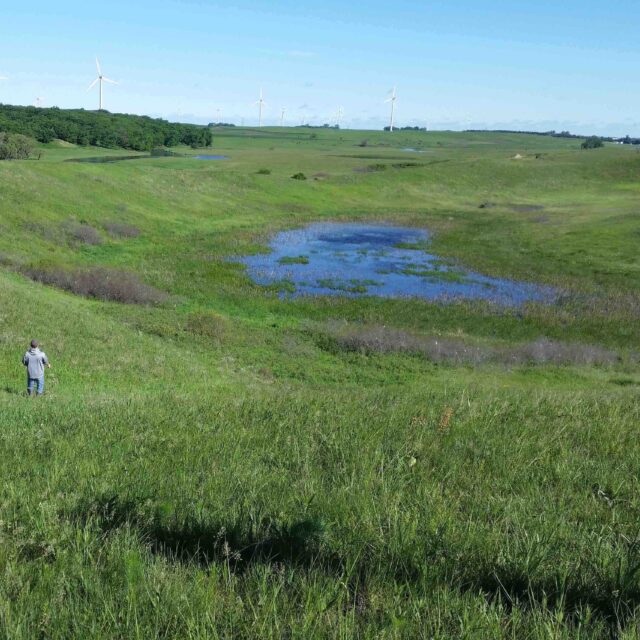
(14, 146)
(592, 142)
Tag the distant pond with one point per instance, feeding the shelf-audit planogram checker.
(375, 260)
(153, 155)
(105, 159)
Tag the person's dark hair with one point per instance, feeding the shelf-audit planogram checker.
(34, 344)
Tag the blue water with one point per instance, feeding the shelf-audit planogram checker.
(211, 157)
(379, 260)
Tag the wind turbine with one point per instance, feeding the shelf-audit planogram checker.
(339, 115)
(282, 117)
(100, 79)
(261, 104)
(38, 102)
(392, 100)
(303, 109)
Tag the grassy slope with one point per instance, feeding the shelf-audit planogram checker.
(244, 481)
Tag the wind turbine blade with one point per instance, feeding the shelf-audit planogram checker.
(98, 66)
(108, 80)
(93, 84)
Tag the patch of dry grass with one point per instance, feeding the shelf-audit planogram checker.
(98, 282)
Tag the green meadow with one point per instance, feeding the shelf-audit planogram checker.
(214, 460)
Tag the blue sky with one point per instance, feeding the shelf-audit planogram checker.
(457, 64)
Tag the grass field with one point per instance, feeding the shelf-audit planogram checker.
(224, 463)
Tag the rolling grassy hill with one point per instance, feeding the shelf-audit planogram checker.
(224, 463)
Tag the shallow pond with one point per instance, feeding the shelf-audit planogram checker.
(105, 159)
(379, 260)
(211, 157)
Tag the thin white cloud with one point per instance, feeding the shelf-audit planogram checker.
(292, 53)
(300, 54)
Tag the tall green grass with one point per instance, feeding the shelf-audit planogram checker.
(226, 464)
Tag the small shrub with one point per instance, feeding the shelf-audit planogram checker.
(264, 172)
(207, 325)
(86, 234)
(102, 283)
(592, 142)
(405, 165)
(122, 230)
(299, 176)
(378, 166)
(364, 143)
(14, 146)
(158, 324)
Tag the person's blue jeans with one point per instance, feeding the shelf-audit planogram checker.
(35, 382)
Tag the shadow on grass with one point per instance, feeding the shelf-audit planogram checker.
(14, 391)
(241, 544)
(614, 606)
(612, 599)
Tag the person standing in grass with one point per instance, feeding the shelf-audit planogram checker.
(35, 361)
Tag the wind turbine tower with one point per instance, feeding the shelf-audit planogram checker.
(38, 102)
(392, 100)
(101, 78)
(261, 104)
(282, 117)
(339, 115)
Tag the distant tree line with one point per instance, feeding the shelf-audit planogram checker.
(100, 128)
(628, 140)
(221, 124)
(326, 125)
(388, 128)
(553, 134)
(559, 134)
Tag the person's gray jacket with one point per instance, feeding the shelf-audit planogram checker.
(35, 361)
